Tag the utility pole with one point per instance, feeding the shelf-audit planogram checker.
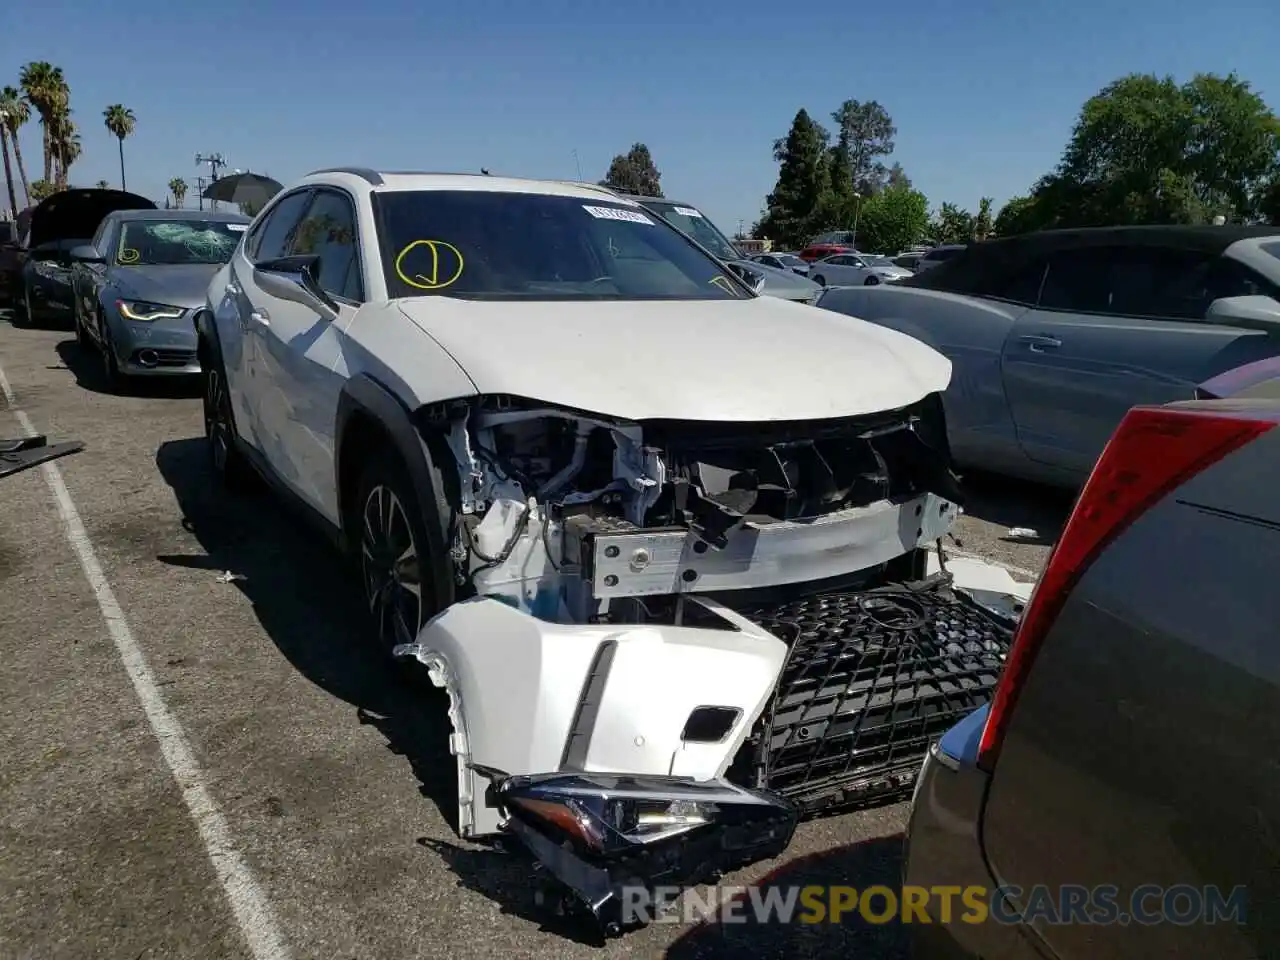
(215, 162)
(201, 183)
(578, 164)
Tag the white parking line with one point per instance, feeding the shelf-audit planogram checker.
(252, 910)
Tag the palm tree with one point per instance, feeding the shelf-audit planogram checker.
(16, 111)
(103, 185)
(44, 86)
(66, 147)
(178, 187)
(120, 121)
(8, 169)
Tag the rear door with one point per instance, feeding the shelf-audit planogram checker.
(299, 352)
(1115, 327)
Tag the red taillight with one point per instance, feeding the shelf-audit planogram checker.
(1153, 451)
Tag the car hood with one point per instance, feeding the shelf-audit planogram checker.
(782, 283)
(178, 285)
(761, 359)
(77, 213)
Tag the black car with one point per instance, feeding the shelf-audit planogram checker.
(40, 280)
(8, 259)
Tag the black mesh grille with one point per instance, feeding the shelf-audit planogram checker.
(872, 678)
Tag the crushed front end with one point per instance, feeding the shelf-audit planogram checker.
(671, 608)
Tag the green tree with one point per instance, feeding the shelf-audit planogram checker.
(121, 122)
(864, 136)
(1146, 150)
(982, 225)
(799, 200)
(41, 189)
(1016, 216)
(893, 220)
(634, 172)
(898, 177)
(103, 185)
(951, 224)
(178, 187)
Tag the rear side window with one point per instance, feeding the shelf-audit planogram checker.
(1125, 281)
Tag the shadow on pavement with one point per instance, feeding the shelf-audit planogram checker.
(1011, 503)
(308, 605)
(510, 882)
(86, 367)
(876, 862)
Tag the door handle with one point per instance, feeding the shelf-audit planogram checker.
(1041, 343)
(261, 317)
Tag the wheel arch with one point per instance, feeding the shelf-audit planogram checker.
(370, 420)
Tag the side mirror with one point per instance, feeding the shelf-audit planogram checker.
(87, 253)
(1257, 312)
(294, 278)
(752, 278)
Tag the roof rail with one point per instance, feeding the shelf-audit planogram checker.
(364, 173)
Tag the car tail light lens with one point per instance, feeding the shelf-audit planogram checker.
(1153, 451)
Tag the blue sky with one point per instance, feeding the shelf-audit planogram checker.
(983, 92)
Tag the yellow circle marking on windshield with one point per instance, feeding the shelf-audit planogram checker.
(445, 267)
(129, 255)
(725, 284)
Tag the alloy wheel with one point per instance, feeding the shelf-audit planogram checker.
(217, 424)
(392, 573)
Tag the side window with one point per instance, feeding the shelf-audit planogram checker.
(100, 235)
(1019, 285)
(1126, 281)
(329, 231)
(1220, 277)
(271, 239)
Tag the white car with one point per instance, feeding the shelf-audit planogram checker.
(620, 506)
(855, 269)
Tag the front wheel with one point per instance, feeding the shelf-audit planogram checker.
(225, 460)
(394, 561)
(871, 281)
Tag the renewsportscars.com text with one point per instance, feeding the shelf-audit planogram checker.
(1181, 905)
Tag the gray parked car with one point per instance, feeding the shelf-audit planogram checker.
(1119, 797)
(692, 222)
(1053, 336)
(137, 284)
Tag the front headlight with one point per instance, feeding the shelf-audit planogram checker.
(146, 312)
(611, 840)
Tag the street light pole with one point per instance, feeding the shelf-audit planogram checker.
(857, 209)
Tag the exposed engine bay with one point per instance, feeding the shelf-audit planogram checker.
(569, 516)
(676, 633)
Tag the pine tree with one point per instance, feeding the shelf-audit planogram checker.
(795, 207)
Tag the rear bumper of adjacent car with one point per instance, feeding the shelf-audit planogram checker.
(944, 850)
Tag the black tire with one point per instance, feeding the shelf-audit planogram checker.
(392, 552)
(871, 281)
(83, 340)
(113, 381)
(820, 280)
(228, 465)
(22, 308)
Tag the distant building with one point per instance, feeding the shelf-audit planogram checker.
(753, 246)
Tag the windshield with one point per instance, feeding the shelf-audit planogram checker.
(690, 221)
(790, 261)
(166, 242)
(495, 245)
(1271, 248)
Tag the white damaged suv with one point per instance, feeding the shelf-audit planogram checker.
(662, 540)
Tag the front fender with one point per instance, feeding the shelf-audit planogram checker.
(529, 696)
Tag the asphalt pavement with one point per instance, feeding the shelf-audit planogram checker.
(196, 765)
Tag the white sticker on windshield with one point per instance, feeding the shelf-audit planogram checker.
(237, 227)
(613, 213)
(688, 212)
